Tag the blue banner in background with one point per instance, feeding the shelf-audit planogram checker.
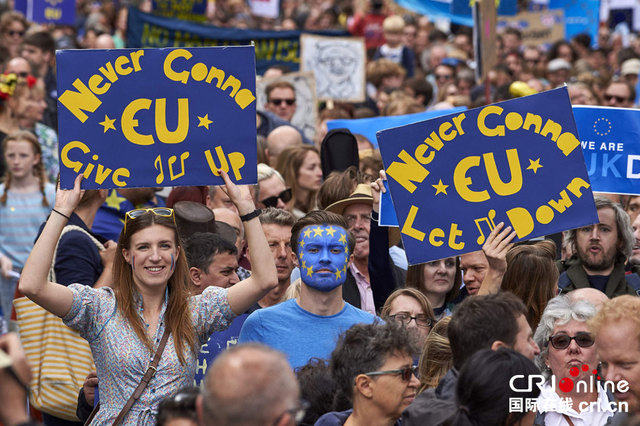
(272, 47)
(454, 178)
(463, 7)
(610, 139)
(61, 12)
(156, 117)
(191, 10)
(580, 16)
(368, 127)
(435, 9)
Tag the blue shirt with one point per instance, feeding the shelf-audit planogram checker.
(300, 334)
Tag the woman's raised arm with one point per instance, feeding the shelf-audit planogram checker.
(34, 282)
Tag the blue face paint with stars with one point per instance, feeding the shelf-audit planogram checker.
(323, 255)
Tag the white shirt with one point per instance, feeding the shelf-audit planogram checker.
(591, 416)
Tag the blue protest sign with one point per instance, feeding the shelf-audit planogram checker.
(61, 12)
(368, 127)
(454, 178)
(610, 139)
(580, 16)
(156, 117)
(463, 7)
(387, 211)
(436, 9)
(192, 10)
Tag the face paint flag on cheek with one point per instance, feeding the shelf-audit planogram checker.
(323, 253)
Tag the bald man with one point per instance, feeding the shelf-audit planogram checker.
(249, 385)
(105, 41)
(19, 66)
(591, 295)
(279, 139)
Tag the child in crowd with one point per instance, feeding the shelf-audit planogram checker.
(393, 49)
(25, 202)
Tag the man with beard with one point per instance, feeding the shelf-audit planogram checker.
(601, 251)
(309, 325)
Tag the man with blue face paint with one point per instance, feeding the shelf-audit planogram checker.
(309, 325)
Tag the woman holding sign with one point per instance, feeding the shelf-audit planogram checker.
(147, 313)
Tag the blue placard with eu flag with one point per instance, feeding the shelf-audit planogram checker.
(157, 117)
(610, 139)
(61, 12)
(454, 178)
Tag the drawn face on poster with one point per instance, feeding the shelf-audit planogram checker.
(338, 66)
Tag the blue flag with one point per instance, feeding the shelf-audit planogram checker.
(368, 127)
(156, 117)
(454, 178)
(610, 139)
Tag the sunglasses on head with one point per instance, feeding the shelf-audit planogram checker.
(562, 341)
(279, 102)
(158, 211)
(285, 196)
(406, 373)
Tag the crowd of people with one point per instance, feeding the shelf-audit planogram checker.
(286, 302)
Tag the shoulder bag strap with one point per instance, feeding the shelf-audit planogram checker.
(151, 371)
(568, 419)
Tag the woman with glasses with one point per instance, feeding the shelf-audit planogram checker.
(13, 26)
(373, 368)
(569, 362)
(411, 309)
(149, 297)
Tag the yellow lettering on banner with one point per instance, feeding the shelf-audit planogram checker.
(182, 76)
(522, 221)
(501, 188)
(129, 123)
(242, 97)
(102, 172)
(482, 116)
(236, 160)
(80, 101)
(436, 233)
(407, 172)
(178, 135)
(85, 98)
(462, 182)
(408, 228)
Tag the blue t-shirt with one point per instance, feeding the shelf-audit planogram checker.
(301, 335)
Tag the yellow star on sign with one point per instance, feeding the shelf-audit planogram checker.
(330, 231)
(307, 233)
(441, 188)
(113, 200)
(309, 271)
(317, 232)
(204, 121)
(534, 165)
(108, 123)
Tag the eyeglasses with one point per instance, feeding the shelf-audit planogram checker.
(618, 99)
(404, 318)
(14, 33)
(406, 373)
(443, 76)
(278, 102)
(285, 196)
(297, 413)
(352, 219)
(562, 341)
(158, 211)
(23, 74)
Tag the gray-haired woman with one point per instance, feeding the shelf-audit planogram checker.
(571, 394)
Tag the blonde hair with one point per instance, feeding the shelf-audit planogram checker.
(619, 308)
(393, 24)
(38, 169)
(436, 358)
